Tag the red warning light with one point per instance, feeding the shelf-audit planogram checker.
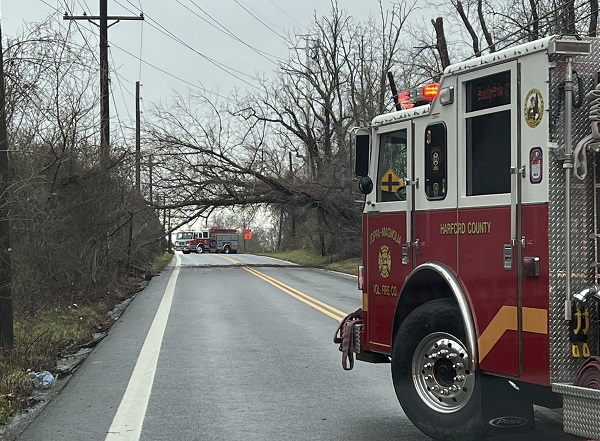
(403, 96)
(430, 91)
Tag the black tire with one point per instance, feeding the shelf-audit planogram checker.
(226, 249)
(186, 251)
(436, 386)
(200, 249)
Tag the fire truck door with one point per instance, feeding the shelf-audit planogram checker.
(388, 222)
(488, 217)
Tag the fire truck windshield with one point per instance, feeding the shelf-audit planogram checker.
(185, 236)
(392, 167)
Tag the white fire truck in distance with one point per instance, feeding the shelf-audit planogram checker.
(481, 250)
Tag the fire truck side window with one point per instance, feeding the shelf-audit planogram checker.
(489, 136)
(435, 161)
(391, 173)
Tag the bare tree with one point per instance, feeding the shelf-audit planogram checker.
(68, 220)
(500, 24)
(287, 147)
(468, 26)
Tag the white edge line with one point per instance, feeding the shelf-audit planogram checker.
(129, 419)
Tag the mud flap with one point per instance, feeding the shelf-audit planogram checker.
(505, 409)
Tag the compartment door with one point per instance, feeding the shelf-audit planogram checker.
(489, 209)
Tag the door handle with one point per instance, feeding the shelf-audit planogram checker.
(514, 188)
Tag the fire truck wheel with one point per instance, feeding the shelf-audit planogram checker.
(434, 381)
(200, 249)
(226, 249)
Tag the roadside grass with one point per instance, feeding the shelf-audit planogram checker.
(39, 339)
(42, 336)
(332, 263)
(161, 262)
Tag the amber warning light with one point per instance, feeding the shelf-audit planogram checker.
(418, 96)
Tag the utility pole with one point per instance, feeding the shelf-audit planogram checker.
(170, 245)
(164, 202)
(104, 87)
(138, 149)
(309, 128)
(150, 173)
(6, 306)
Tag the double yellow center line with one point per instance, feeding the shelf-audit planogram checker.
(298, 295)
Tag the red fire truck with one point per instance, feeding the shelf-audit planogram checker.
(183, 240)
(481, 253)
(214, 240)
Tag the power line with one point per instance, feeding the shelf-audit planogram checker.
(216, 63)
(81, 32)
(221, 28)
(245, 8)
(117, 111)
(142, 61)
(202, 88)
(103, 26)
(290, 16)
(141, 10)
(113, 69)
(119, 80)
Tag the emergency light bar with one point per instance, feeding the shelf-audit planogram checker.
(418, 96)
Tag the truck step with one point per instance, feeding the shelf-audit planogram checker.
(581, 410)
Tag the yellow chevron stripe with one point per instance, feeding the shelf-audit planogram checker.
(535, 320)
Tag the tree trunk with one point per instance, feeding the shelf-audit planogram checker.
(593, 18)
(321, 225)
(535, 20)
(488, 37)
(441, 45)
(570, 17)
(470, 30)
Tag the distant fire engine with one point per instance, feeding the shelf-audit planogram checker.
(213, 240)
(182, 240)
(481, 243)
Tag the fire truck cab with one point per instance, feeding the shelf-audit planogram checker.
(183, 240)
(200, 242)
(480, 226)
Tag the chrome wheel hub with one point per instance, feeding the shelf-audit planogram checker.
(442, 373)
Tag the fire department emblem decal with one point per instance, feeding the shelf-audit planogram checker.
(385, 261)
(534, 108)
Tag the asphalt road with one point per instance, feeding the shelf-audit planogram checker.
(231, 348)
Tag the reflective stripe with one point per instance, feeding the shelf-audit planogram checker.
(534, 320)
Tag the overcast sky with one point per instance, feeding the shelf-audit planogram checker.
(255, 26)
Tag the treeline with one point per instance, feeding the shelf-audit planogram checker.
(287, 148)
(78, 231)
(280, 159)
